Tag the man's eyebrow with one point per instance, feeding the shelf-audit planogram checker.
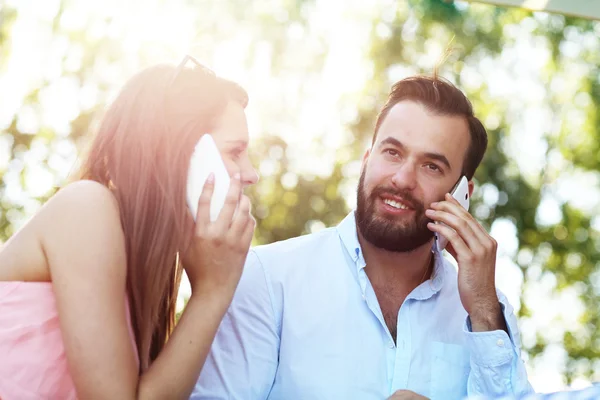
(432, 155)
(392, 141)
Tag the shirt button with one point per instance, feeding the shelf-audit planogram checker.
(500, 343)
(391, 344)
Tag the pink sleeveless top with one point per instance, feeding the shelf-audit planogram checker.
(33, 364)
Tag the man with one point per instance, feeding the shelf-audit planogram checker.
(370, 308)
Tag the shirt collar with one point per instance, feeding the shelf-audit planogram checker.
(434, 284)
(349, 236)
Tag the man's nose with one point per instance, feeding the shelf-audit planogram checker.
(406, 176)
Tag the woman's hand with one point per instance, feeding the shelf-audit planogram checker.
(215, 258)
(213, 262)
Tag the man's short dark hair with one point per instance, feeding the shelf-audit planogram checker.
(440, 97)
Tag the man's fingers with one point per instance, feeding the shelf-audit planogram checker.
(453, 207)
(459, 225)
(454, 238)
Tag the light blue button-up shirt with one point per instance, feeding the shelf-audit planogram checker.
(305, 323)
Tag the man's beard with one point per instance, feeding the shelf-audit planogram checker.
(386, 233)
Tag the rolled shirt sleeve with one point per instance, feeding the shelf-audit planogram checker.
(496, 365)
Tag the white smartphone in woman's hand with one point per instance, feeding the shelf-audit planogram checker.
(461, 194)
(207, 159)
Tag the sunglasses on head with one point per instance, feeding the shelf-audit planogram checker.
(196, 64)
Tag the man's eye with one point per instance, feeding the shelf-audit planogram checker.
(433, 167)
(391, 152)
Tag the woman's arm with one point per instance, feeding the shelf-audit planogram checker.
(83, 242)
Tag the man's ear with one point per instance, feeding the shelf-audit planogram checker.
(471, 187)
(365, 159)
(366, 156)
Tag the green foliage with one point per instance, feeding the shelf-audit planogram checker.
(290, 203)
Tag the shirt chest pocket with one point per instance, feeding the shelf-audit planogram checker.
(450, 366)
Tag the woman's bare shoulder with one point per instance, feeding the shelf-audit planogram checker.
(84, 194)
(78, 218)
(83, 201)
(82, 221)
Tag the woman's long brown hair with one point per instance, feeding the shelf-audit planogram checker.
(141, 152)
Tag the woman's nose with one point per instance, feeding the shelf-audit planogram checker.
(248, 174)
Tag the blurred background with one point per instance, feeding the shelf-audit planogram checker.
(317, 72)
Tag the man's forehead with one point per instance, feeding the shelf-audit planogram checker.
(412, 124)
(409, 113)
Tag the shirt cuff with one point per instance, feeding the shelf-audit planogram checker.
(490, 348)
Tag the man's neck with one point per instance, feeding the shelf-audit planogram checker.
(405, 270)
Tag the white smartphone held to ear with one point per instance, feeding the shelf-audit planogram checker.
(461, 194)
(207, 159)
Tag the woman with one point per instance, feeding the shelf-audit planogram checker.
(88, 287)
